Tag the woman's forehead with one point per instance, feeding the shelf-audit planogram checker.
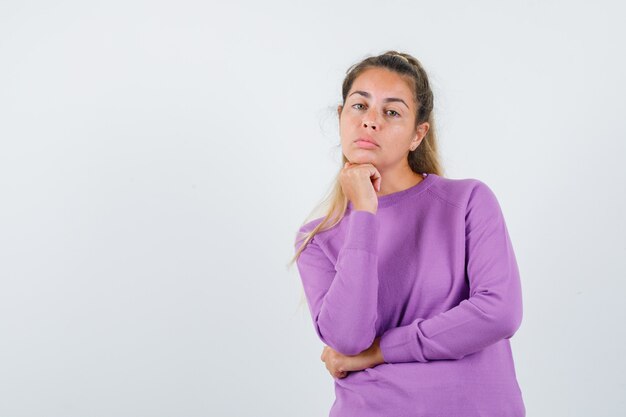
(381, 82)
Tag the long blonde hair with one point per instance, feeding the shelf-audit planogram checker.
(425, 158)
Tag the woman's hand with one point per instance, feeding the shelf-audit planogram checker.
(359, 183)
(339, 365)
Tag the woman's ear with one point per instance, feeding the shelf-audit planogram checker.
(420, 134)
(339, 107)
(415, 143)
(423, 130)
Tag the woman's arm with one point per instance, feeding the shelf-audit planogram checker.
(343, 297)
(491, 313)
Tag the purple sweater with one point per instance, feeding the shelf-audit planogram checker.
(434, 274)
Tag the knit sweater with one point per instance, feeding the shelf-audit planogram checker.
(433, 273)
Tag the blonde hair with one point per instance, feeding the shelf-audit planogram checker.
(424, 159)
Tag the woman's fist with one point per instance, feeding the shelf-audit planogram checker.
(339, 365)
(360, 183)
(334, 362)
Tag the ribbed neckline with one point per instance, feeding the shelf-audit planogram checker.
(393, 198)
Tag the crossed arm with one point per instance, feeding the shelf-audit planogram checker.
(343, 298)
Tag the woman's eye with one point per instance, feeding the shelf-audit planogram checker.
(395, 113)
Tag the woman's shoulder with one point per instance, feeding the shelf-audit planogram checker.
(326, 233)
(310, 225)
(459, 191)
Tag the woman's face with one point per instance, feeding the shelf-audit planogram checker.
(380, 107)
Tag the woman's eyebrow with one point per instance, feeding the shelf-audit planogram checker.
(387, 100)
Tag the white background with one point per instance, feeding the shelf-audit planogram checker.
(157, 158)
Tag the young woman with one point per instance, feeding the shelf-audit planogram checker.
(410, 277)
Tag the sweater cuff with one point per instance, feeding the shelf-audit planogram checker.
(400, 344)
(363, 227)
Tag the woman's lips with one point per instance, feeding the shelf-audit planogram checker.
(365, 144)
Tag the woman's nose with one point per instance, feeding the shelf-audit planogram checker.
(367, 124)
(370, 121)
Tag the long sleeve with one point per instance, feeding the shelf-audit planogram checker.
(493, 310)
(343, 297)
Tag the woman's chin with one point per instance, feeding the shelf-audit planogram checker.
(360, 158)
(363, 161)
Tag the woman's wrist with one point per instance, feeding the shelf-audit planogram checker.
(377, 352)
